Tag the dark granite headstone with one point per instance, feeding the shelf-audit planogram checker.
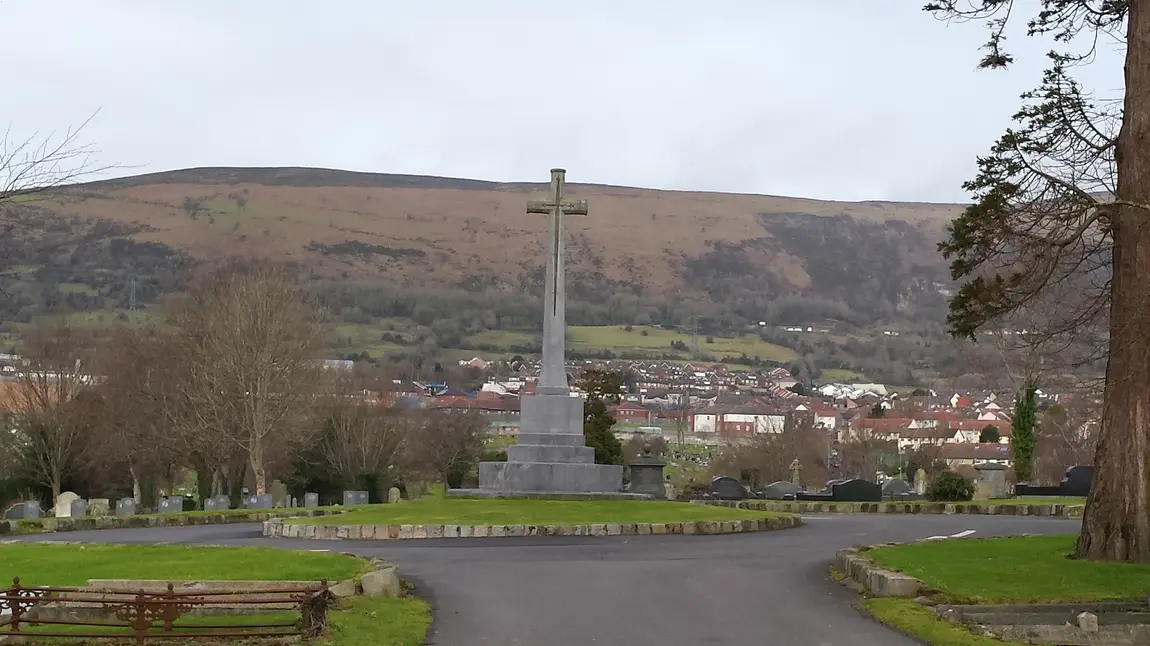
(781, 489)
(856, 491)
(727, 488)
(126, 507)
(26, 510)
(218, 503)
(896, 487)
(258, 502)
(355, 498)
(311, 500)
(1077, 481)
(79, 508)
(171, 505)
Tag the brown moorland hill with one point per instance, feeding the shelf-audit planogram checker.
(473, 234)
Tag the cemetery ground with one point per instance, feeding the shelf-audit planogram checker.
(1001, 570)
(438, 509)
(401, 621)
(725, 590)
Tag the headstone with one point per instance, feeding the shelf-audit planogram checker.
(896, 488)
(991, 480)
(99, 507)
(171, 505)
(355, 498)
(279, 494)
(856, 490)
(79, 508)
(218, 503)
(63, 507)
(291, 502)
(727, 488)
(781, 489)
(263, 501)
(920, 482)
(647, 475)
(551, 454)
(796, 467)
(1077, 481)
(394, 495)
(126, 507)
(26, 510)
(311, 500)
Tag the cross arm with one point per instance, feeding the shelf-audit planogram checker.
(569, 207)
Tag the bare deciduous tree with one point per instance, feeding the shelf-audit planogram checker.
(50, 421)
(362, 443)
(254, 344)
(448, 443)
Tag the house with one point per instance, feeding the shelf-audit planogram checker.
(967, 455)
(630, 412)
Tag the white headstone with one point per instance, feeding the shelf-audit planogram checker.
(64, 504)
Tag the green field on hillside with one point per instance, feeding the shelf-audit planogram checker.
(838, 375)
(642, 341)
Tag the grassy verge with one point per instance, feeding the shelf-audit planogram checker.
(73, 565)
(1019, 569)
(440, 510)
(375, 621)
(919, 622)
(358, 621)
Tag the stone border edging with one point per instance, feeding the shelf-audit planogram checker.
(877, 581)
(1052, 510)
(48, 525)
(277, 528)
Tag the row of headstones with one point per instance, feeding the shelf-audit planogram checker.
(175, 504)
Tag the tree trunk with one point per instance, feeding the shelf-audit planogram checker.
(135, 484)
(257, 464)
(1116, 524)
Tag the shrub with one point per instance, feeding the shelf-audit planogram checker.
(950, 487)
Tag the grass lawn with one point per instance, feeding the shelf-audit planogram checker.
(439, 510)
(72, 565)
(920, 623)
(838, 375)
(1020, 569)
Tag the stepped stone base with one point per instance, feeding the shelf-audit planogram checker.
(551, 455)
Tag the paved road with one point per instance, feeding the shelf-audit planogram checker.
(736, 590)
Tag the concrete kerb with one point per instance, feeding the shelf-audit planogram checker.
(277, 528)
(50, 525)
(1056, 510)
(853, 564)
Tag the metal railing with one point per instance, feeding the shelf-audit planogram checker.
(146, 615)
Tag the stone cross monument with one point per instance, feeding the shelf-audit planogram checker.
(553, 377)
(796, 467)
(551, 454)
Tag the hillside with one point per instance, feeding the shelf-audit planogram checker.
(427, 248)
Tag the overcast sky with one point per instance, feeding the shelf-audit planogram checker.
(835, 99)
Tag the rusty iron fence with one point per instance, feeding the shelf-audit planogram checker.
(146, 615)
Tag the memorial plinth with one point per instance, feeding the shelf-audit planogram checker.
(551, 455)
